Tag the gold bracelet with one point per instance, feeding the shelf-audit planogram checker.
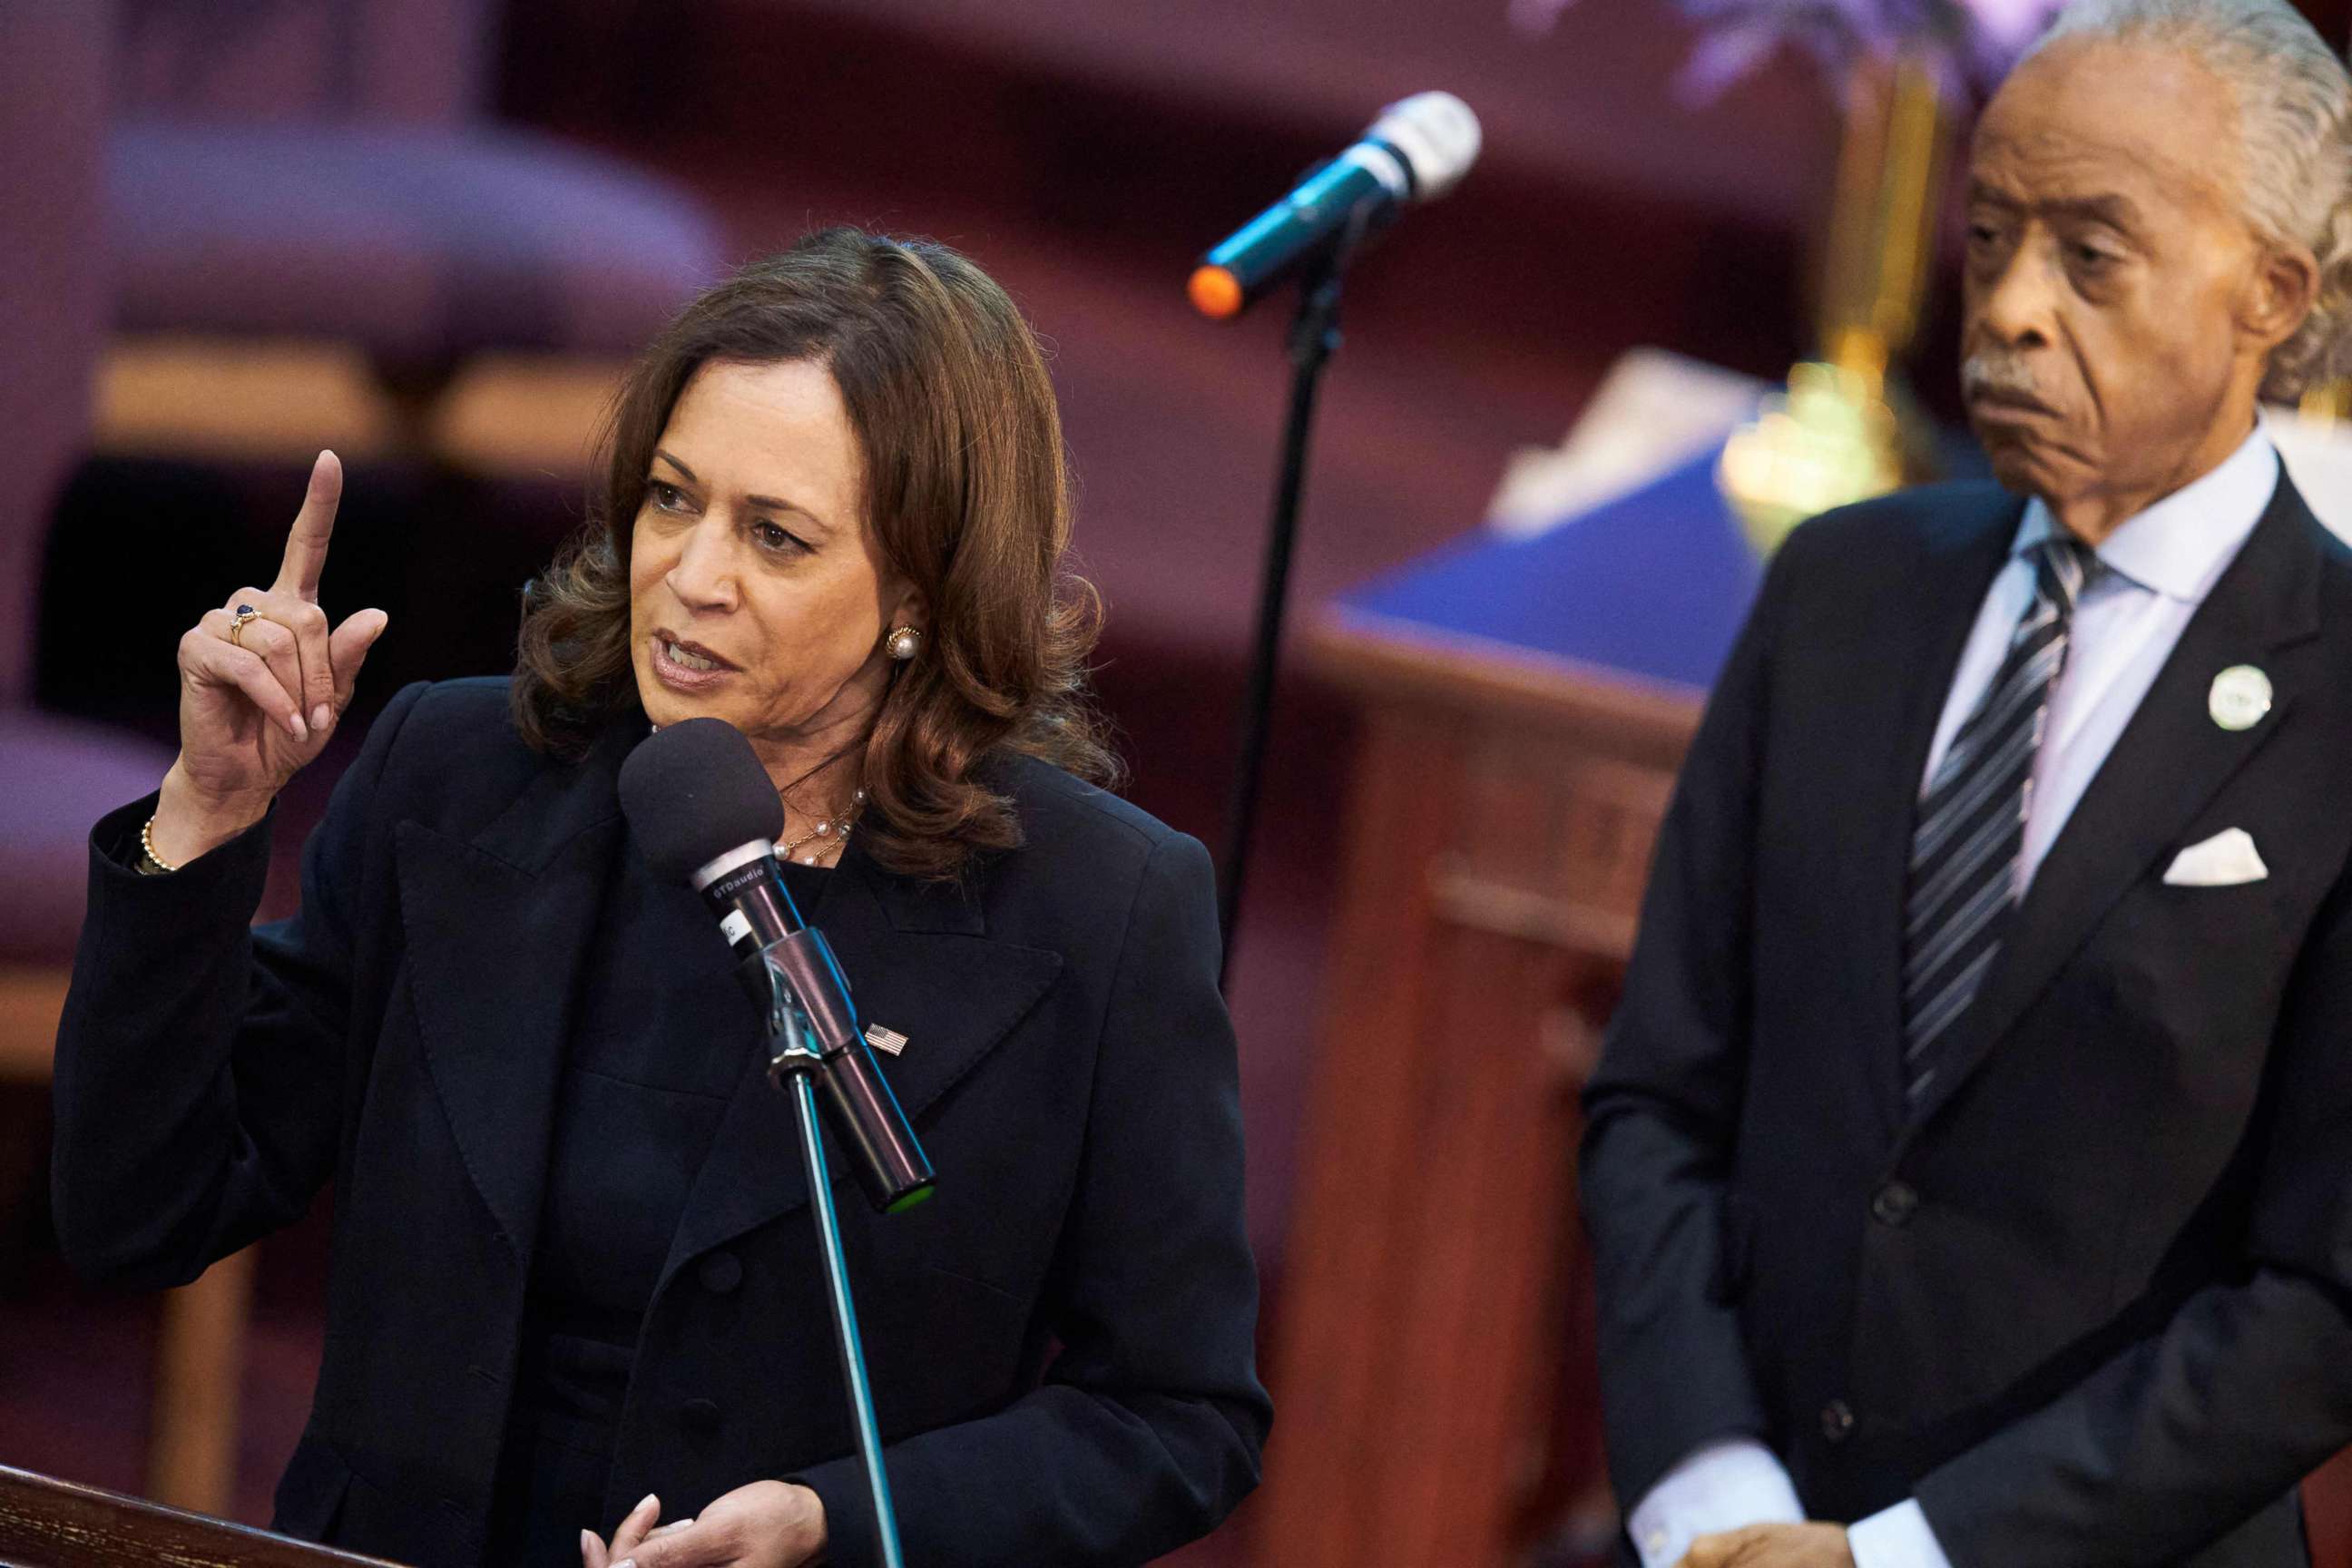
(147, 848)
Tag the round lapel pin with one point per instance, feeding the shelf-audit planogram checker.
(2239, 698)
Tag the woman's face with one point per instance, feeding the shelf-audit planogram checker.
(757, 593)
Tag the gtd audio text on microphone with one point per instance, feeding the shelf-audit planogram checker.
(703, 811)
(1417, 150)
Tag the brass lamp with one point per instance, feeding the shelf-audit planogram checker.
(1843, 431)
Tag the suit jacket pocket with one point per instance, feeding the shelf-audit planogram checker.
(310, 1499)
(1735, 1258)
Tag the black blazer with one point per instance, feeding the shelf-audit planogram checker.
(2095, 1305)
(1071, 1070)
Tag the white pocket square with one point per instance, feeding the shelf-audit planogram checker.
(2224, 860)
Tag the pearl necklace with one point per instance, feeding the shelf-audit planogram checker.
(835, 829)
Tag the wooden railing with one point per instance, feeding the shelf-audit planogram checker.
(50, 1523)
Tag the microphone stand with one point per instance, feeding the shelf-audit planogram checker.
(793, 1066)
(1314, 337)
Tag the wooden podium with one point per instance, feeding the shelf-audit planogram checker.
(47, 1523)
(1525, 705)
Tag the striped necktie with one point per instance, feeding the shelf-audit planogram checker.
(1970, 834)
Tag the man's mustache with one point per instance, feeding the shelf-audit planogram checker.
(1997, 372)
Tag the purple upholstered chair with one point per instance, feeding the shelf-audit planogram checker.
(325, 169)
(56, 776)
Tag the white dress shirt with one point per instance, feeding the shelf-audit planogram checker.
(2159, 567)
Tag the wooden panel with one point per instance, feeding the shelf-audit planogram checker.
(2327, 1512)
(1599, 712)
(200, 1348)
(31, 999)
(1363, 1155)
(1496, 848)
(260, 400)
(199, 1377)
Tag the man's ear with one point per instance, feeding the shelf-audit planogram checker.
(2280, 295)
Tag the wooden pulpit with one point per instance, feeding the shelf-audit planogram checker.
(47, 1523)
(1525, 704)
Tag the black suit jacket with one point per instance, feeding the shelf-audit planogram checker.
(2095, 1305)
(1071, 1070)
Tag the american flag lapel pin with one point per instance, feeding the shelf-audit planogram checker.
(889, 1042)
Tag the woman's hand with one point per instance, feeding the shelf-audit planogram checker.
(767, 1524)
(256, 706)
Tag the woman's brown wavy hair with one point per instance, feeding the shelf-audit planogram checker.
(967, 490)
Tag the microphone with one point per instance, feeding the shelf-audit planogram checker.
(1418, 150)
(703, 812)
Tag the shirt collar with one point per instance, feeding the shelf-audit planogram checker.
(2179, 546)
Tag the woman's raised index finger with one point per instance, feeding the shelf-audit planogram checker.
(306, 543)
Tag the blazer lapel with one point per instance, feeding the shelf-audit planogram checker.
(1918, 634)
(2169, 760)
(497, 928)
(919, 961)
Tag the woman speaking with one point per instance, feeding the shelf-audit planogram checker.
(576, 1310)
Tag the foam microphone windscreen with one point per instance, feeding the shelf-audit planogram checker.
(695, 790)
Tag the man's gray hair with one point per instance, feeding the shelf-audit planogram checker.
(2294, 115)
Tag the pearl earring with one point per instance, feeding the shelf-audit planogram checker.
(902, 642)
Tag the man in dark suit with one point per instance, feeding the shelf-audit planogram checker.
(1970, 1168)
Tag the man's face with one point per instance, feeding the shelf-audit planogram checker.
(2107, 272)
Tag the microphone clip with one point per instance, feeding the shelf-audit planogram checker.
(804, 1003)
(803, 1000)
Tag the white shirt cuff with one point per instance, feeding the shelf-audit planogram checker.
(1721, 1486)
(1895, 1537)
